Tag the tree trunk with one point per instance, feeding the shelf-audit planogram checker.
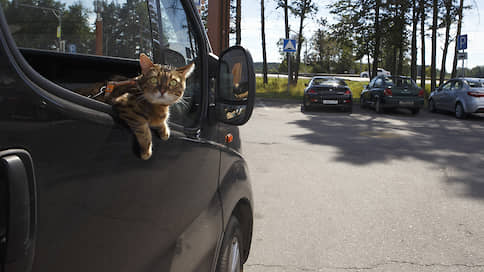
(238, 18)
(435, 8)
(264, 55)
(393, 69)
(413, 61)
(376, 53)
(369, 65)
(422, 37)
(448, 22)
(299, 43)
(459, 27)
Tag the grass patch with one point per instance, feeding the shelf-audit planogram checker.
(277, 88)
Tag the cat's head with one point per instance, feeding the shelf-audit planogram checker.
(163, 84)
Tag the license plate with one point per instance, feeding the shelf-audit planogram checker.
(406, 102)
(330, 102)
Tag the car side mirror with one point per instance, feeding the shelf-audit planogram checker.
(365, 86)
(305, 84)
(235, 86)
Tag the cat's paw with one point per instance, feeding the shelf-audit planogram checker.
(165, 136)
(122, 100)
(164, 133)
(145, 155)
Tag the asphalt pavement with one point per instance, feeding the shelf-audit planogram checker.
(365, 192)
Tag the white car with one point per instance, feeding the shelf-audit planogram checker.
(379, 71)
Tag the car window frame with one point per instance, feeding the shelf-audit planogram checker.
(98, 111)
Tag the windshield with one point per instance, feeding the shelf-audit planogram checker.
(475, 84)
(400, 82)
(328, 81)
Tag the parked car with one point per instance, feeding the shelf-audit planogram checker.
(327, 92)
(74, 194)
(386, 92)
(379, 72)
(463, 96)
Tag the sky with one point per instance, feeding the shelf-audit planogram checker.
(473, 26)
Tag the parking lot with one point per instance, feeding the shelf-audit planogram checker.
(365, 192)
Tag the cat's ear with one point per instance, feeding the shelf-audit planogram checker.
(145, 63)
(186, 70)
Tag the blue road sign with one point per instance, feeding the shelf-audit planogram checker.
(289, 46)
(72, 48)
(462, 42)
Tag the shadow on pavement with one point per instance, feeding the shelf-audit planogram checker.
(455, 147)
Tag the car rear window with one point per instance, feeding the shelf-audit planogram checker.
(400, 82)
(328, 81)
(475, 84)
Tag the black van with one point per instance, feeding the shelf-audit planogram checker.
(74, 194)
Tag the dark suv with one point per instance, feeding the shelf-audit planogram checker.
(74, 194)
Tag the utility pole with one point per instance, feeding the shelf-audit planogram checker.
(98, 8)
(218, 24)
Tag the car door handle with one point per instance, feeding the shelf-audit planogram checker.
(18, 192)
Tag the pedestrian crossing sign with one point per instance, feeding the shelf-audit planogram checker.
(289, 46)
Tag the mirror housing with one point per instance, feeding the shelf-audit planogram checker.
(235, 97)
(305, 84)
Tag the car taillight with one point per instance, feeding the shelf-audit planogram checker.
(476, 94)
(388, 92)
(421, 93)
(311, 91)
(348, 92)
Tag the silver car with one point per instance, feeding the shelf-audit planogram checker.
(463, 96)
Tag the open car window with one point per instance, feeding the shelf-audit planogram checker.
(80, 44)
(71, 26)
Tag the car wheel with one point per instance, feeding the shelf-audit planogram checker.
(378, 106)
(415, 111)
(432, 106)
(230, 259)
(459, 111)
(363, 103)
(349, 109)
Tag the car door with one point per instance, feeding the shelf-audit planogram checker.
(100, 207)
(366, 94)
(440, 96)
(454, 93)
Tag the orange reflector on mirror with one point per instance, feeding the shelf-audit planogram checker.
(229, 138)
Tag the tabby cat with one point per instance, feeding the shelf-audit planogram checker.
(144, 101)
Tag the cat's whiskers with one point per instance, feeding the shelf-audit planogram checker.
(183, 102)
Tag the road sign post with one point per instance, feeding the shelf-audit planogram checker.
(462, 45)
(289, 47)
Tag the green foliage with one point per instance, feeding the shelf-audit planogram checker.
(277, 88)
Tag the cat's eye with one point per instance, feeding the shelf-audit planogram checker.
(173, 83)
(154, 81)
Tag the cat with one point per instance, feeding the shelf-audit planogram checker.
(144, 101)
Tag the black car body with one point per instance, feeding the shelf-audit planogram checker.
(386, 92)
(74, 194)
(327, 92)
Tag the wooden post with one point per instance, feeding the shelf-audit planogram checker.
(99, 36)
(218, 24)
